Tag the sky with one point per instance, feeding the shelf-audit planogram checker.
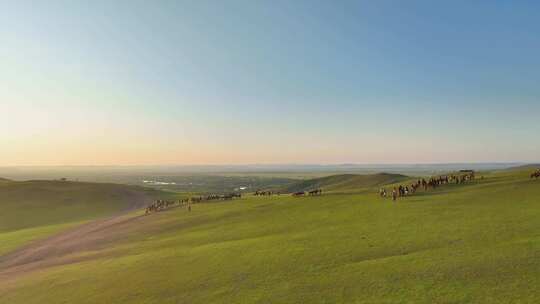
(268, 82)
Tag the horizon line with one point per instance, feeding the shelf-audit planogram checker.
(280, 164)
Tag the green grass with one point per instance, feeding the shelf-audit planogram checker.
(10, 241)
(472, 243)
(346, 182)
(35, 209)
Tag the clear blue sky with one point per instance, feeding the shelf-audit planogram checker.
(223, 82)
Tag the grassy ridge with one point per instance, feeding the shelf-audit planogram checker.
(39, 203)
(474, 243)
(34, 209)
(345, 182)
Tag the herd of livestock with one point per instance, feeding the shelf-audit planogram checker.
(160, 205)
(432, 183)
(266, 193)
(396, 192)
(311, 193)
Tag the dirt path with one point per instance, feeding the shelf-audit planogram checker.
(67, 247)
(60, 249)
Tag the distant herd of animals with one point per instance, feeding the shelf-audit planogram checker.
(432, 183)
(311, 193)
(266, 193)
(295, 194)
(160, 205)
(396, 192)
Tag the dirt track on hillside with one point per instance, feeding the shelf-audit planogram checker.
(68, 247)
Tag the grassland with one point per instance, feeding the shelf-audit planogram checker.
(346, 182)
(471, 243)
(34, 209)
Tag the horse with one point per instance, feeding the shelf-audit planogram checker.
(315, 192)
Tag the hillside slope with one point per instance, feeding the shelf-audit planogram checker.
(531, 167)
(471, 243)
(35, 209)
(37, 203)
(346, 182)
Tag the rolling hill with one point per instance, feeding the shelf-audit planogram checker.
(530, 167)
(34, 209)
(470, 243)
(344, 182)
